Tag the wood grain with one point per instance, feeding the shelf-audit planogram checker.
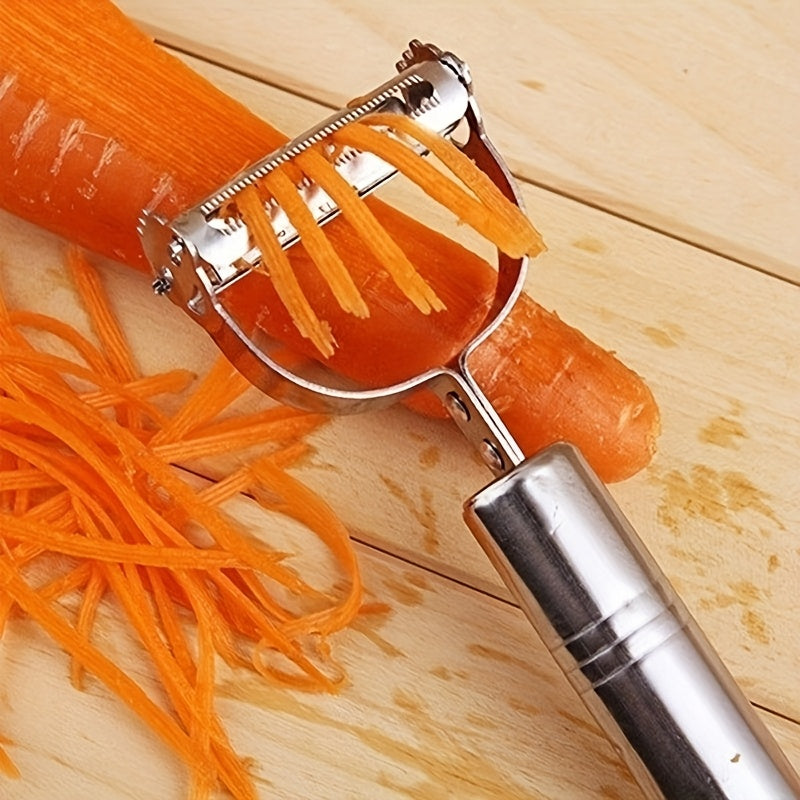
(451, 695)
(683, 117)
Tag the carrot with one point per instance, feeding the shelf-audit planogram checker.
(89, 492)
(86, 144)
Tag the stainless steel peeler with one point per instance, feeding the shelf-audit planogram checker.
(579, 571)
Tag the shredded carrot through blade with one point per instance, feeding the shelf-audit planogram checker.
(280, 270)
(374, 236)
(441, 188)
(285, 193)
(481, 205)
(95, 519)
(524, 238)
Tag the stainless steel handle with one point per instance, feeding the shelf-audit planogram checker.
(622, 636)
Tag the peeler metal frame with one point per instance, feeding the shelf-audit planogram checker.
(579, 571)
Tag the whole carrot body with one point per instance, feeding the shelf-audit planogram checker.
(97, 123)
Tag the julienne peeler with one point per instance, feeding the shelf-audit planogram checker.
(621, 635)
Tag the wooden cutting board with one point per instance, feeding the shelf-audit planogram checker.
(657, 151)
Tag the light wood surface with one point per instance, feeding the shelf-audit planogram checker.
(452, 695)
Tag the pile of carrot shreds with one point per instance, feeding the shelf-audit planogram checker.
(92, 511)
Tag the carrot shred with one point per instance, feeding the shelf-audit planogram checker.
(284, 192)
(506, 214)
(373, 235)
(251, 207)
(88, 488)
(105, 323)
(93, 592)
(515, 240)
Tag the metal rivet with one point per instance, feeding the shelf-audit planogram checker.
(175, 249)
(197, 303)
(457, 408)
(491, 456)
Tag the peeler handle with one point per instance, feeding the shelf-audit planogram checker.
(622, 636)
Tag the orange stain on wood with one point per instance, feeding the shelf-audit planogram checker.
(430, 457)
(590, 244)
(756, 626)
(405, 593)
(773, 562)
(724, 431)
(668, 335)
(532, 83)
(719, 497)
(423, 512)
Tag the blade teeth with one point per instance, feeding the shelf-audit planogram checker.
(345, 155)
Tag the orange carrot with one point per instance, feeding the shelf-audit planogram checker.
(79, 121)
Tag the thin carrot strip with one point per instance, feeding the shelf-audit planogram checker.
(8, 464)
(288, 456)
(7, 766)
(270, 634)
(250, 587)
(461, 165)
(22, 496)
(374, 236)
(10, 334)
(283, 278)
(66, 583)
(316, 243)
(171, 624)
(116, 553)
(171, 382)
(202, 589)
(130, 592)
(104, 322)
(218, 492)
(437, 185)
(128, 588)
(130, 449)
(99, 489)
(245, 420)
(52, 509)
(93, 593)
(201, 724)
(25, 478)
(201, 446)
(55, 509)
(223, 533)
(55, 366)
(85, 349)
(304, 505)
(221, 385)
